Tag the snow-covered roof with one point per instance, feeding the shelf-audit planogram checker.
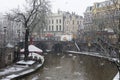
(30, 62)
(32, 48)
(108, 30)
(9, 45)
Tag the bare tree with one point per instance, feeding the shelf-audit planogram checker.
(111, 19)
(30, 17)
(108, 18)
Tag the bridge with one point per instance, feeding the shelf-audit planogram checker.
(59, 46)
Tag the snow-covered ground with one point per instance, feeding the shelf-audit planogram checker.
(116, 77)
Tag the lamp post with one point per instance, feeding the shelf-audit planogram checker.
(18, 36)
(4, 47)
(4, 36)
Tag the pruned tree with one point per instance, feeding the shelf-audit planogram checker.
(30, 17)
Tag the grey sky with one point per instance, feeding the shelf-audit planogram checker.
(77, 6)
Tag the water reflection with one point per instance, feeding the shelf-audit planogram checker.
(74, 67)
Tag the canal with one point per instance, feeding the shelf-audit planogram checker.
(65, 66)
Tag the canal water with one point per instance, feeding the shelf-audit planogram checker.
(73, 67)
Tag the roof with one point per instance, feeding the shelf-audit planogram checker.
(30, 62)
(32, 48)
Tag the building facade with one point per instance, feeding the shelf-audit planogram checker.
(55, 25)
(88, 18)
(73, 24)
(104, 17)
(63, 23)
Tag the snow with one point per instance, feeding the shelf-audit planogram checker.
(22, 66)
(36, 55)
(108, 30)
(46, 68)
(59, 67)
(116, 77)
(70, 55)
(81, 62)
(5, 79)
(12, 76)
(74, 57)
(25, 72)
(9, 45)
(35, 78)
(32, 48)
(48, 78)
(62, 57)
(11, 69)
(30, 62)
(102, 64)
(77, 73)
(58, 54)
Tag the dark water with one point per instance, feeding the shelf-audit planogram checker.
(74, 67)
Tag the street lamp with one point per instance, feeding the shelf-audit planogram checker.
(4, 46)
(4, 36)
(18, 31)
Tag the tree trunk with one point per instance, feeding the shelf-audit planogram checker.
(119, 47)
(26, 52)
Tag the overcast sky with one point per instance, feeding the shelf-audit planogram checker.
(77, 6)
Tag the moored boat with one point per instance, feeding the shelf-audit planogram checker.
(21, 68)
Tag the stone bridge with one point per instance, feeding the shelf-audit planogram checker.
(54, 45)
(59, 46)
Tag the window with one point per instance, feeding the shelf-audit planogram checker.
(52, 21)
(60, 21)
(73, 22)
(52, 28)
(46, 28)
(49, 28)
(57, 28)
(57, 21)
(97, 5)
(49, 21)
(67, 22)
(60, 28)
(78, 22)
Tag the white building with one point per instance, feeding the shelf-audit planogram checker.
(63, 23)
(55, 25)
